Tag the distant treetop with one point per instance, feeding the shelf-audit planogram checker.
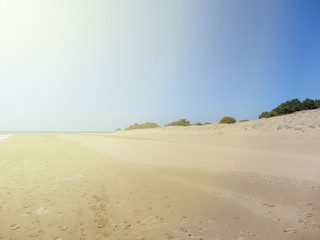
(292, 106)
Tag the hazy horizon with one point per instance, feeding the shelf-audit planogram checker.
(99, 65)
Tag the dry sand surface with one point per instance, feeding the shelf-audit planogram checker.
(250, 180)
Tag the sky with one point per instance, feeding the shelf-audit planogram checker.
(96, 65)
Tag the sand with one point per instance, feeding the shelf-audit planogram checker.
(252, 180)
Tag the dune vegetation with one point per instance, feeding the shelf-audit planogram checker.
(182, 122)
(142, 126)
(228, 120)
(200, 124)
(292, 106)
(287, 107)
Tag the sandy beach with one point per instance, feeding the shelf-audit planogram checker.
(250, 180)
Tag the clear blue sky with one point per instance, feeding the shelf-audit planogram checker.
(95, 65)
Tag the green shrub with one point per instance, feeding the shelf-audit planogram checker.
(288, 107)
(265, 115)
(309, 104)
(292, 106)
(268, 114)
(228, 120)
(201, 124)
(181, 122)
(142, 126)
(245, 120)
(118, 129)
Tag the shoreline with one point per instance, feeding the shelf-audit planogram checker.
(5, 136)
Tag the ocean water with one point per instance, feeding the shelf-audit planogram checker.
(7, 134)
(4, 136)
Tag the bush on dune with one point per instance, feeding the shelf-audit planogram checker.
(292, 106)
(201, 124)
(310, 104)
(142, 126)
(181, 122)
(267, 115)
(118, 129)
(288, 107)
(228, 120)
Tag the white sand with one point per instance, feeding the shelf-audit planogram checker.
(251, 180)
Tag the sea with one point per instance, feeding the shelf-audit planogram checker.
(7, 134)
(4, 136)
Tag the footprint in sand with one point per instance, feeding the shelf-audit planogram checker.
(202, 229)
(64, 227)
(42, 211)
(289, 230)
(14, 226)
(100, 224)
(268, 204)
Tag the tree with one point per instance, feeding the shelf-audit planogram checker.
(309, 104)
(292, 106)
(287, 107)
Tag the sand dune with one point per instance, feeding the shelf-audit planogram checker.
(304, 125)
(251, 180)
